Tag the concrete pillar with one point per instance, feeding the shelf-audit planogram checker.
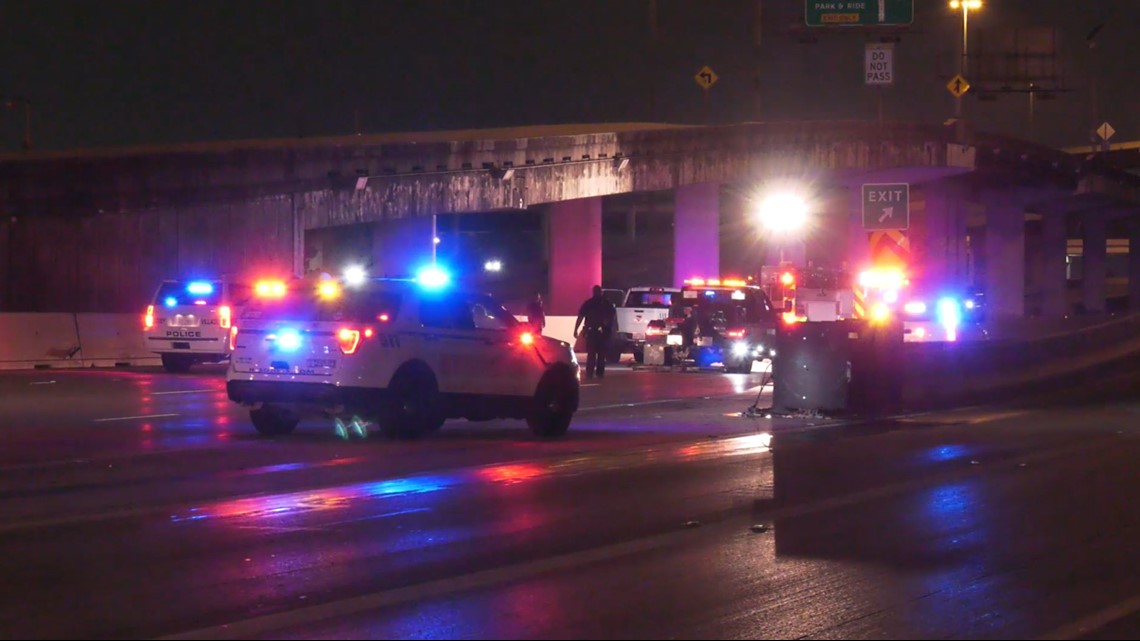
(575, 253)
(1134, 265)
(944, 236)
(1005, 259)
(1054, 277)
(401, 246)
(696, 232)
(631, 223)
(859, 243)
(1093, 267)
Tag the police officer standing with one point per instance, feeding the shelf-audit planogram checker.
(535, 314)
(600, 322)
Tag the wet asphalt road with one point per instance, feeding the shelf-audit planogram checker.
(140, 504)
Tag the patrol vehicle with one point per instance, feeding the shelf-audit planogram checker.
(408, 354)
(189, 322)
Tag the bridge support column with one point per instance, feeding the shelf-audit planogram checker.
(859, 240)
(944, 244)
(1093, 264)
(1054, 278)
(575, 253)
(1005, 260)
(399, 247)
(1134, 264)
(696, 232)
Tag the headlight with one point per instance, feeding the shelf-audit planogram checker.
(740, 349)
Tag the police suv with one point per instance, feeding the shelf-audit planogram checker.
(189, 322)
(408, 354)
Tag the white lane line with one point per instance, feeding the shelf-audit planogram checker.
(42, 383)
(663, 400)
(589, 384)
(129, 418)
(1095, 621)
(183, 391)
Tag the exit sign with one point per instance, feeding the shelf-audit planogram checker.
(858, 13)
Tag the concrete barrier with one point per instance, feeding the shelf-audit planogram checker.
(31, 341)
(110, 340)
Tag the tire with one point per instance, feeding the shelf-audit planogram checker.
(416, 407)
(273, 421)
(556, 400)
(176, 363)
(639, 356)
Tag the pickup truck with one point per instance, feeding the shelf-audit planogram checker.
(641, 305)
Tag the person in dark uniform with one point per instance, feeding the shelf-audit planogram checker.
(598, 319)
(535, 314)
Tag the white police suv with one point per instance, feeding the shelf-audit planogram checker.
(408, 354)
(189, 322)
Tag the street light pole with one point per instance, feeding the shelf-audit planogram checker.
(965, 6)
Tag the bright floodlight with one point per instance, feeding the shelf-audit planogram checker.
(355, 275)
(783, 212)
(493, 266)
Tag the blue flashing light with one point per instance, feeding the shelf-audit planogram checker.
(288, 340)
(200, 288)
(433, 277)
(170, 301)
(710, 293)
(949, 313)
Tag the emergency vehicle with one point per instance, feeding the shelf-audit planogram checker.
(928, 311)
(189, 322)
(718, 321)
(641, 306)
(808, 294)
(406, 353)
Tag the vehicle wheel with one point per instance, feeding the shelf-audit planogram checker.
(416, 404)
(176, 363)
(273, 421)
(639, 356)
(556, 400)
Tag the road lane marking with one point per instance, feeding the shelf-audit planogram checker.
(42, 383)
(589, 384)
(183, 391)
(131, 418)
(1095, 621)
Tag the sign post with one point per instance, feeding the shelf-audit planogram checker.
(886, 206)
(858, 13)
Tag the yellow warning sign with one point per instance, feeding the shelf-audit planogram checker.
(706, 77)
(958, 86)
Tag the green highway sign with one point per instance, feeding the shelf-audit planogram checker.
(886, 206)
(858, 13)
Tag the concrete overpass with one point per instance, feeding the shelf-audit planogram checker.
(95, 230)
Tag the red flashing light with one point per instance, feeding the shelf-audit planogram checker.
(383, 318)
(526, 338)
(736, 333)
(269, 288)
(148, 319)
(788, 278)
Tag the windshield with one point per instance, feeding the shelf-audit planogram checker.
(659, 300)
(197, 292)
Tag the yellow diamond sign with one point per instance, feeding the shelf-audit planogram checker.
(958, 86)
(706, 77)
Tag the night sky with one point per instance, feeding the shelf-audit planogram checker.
(128, 73)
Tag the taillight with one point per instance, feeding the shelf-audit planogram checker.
(224, 316)
(654, 331)
(736, 333)
(348, 340)
(233, 338)
(148, 320)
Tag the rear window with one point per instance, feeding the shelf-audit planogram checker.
(659, 300)
(350, 306)
(195, 292)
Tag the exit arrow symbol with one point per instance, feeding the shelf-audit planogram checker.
(707, 76)
(958, 85)
(887, 213)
